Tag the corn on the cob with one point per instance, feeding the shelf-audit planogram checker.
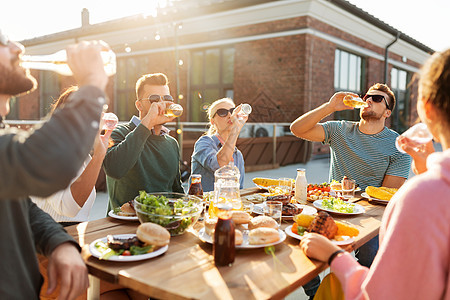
(343, 229)
(266, 182)
(382, 193)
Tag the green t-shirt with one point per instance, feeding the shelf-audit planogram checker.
(139, 160)
(366, 158)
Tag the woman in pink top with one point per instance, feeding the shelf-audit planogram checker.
(413, 260)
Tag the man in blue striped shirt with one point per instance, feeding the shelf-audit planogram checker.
(364, 150)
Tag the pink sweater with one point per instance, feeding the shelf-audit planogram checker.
(414, 257)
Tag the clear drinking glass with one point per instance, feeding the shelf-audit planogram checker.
(110, 121)
(274, 210)
(348, 188)
(418, 134)
(285, 185)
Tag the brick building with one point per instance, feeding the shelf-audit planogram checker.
(283, 57)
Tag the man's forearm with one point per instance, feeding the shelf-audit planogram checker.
(307, 121)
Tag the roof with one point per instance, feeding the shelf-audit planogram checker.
(183, 8)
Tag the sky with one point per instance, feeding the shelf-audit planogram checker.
(426, 21)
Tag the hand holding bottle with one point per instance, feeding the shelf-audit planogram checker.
(85, 61)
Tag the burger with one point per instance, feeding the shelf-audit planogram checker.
(153, 234)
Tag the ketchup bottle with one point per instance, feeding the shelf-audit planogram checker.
(223, 247)
(196, 188)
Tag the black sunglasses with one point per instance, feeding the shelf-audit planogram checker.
(157, 98)
(223, 112)
(377, 99)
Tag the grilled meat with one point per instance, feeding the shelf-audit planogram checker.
(125, 244)
(324, 225)
(285, 199)
(291, 210)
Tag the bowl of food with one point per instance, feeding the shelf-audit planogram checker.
(174, 211)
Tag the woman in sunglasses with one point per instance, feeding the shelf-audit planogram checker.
(217, 147)
(413, 261)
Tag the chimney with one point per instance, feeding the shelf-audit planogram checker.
(84, 17)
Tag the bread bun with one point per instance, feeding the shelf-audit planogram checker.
(238, 237)
(262, 221)
(210, 225)
(153, 234)
(263, 235)
(127, 210)
(240, 217)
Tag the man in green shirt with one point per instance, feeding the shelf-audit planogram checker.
(143, 155)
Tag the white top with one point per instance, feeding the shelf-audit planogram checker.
(63, 207)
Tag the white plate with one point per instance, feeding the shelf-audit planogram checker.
(94, 251)
(307, 210)
(356, 190)
(357, 210)
(365, 195)
(347, 240)
(206, 238)
(113, 215)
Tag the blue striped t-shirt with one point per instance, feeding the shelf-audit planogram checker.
(366, 158)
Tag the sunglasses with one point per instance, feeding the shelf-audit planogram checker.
(376, 98)
(157, 98)
(223, 112)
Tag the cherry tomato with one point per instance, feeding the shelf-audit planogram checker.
(294, 228)
(126, 253)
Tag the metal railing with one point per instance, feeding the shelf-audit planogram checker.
(250, 130)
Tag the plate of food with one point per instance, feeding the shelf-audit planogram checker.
(340, 240)
(263, 234)
(258, 232)
(125, 212)
(150, 240)
(338, 232)
(379, 194)
(338, 206)
(288, 212)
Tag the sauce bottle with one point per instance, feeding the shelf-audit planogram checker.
(223, 247)
(301, 186)
(196, 188)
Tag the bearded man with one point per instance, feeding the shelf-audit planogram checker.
(40, 162)
(364, 151)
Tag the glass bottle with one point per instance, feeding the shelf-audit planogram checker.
(224, 249)
(246, 109)
(301, 186)
(196, 188)
(57, 62)
(174, 110)
(356, 102)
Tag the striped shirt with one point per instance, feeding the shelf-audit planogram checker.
(366, 158)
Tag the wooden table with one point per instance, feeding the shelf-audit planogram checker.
(187, 269)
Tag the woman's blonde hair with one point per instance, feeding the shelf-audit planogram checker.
(212, 111)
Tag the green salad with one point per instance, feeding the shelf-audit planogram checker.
(338, 205)
(175, 216)
(106, 252)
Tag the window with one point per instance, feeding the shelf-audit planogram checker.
(128, 72)
(14, 109)
(399, 85)
(49, 91)
(348, 70)
(212, 76)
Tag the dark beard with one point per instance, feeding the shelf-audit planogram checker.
(15, 81)
(371, 116)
